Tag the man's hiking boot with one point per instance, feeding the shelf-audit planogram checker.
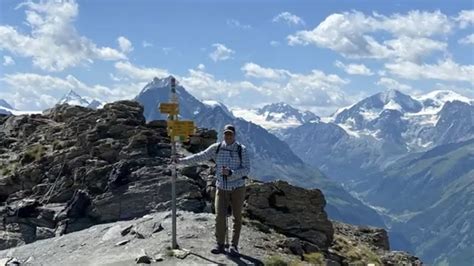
(218, 249)
(234, 251)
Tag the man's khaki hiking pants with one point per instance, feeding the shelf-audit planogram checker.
(235, 198)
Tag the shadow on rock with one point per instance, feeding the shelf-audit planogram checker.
(243, 259)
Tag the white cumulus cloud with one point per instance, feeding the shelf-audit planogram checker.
(446, 70)
(221, 52)
(465, 18)
(237, 24)
(146, 44)
(354, 69)
(288, 18)
(469, 39)
(254, 70)
(8, 60)
(31, 91)
(53, 42)
(201, 67)
(274, 43)
(125, 44)
(315, 90)
(394, 85)
(353, 34)
(127, 69)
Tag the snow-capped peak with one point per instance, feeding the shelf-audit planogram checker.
(5, 104)
(5, 108)
(212, 103)
(370, 108)
(157, 83)
(282, 112)
(276, 116)
(95, 104)
(434, 101)
(389, 95)
(396, 100)
(280, 107)
(444, 94)
(72, 98)
(440, 97)
(215, 104)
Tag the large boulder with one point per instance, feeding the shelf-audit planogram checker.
(293, 211)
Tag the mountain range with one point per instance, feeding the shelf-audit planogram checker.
(369, 135)
(271, 157)
(410, 158)
(277, 117)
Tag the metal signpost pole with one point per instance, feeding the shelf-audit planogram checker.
(178, 131)
(174, 99)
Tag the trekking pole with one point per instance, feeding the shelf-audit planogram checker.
(225, 209)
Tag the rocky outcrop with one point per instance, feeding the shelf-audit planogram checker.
(73, 167)
(367, 235)
(367, 244)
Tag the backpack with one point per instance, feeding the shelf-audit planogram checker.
(239, 151)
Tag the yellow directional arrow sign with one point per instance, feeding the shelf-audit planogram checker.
(169, 108)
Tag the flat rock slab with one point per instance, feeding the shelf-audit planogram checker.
(96, 245)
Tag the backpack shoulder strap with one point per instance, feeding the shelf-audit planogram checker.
(218, 147)
(239, 150)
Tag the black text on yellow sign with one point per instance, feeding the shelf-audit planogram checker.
(180, 128)
(169, 108)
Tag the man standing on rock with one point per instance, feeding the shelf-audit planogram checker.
(232, 167)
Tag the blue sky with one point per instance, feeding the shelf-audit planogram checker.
(316, 55)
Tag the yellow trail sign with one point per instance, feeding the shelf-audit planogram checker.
(169, 108)
(180, 124)
(180, 128)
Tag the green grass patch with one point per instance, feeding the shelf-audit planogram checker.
(33, 153)
(275, 261)
(356, 253)
(314, 258)
(58, 145)
(8, 169)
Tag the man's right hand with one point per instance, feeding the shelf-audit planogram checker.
(225, 171)
(175, 159)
